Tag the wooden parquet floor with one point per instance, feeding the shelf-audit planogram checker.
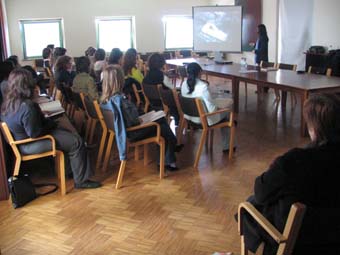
(189, 212)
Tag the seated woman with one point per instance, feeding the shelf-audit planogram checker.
(25, 119)
(132, 74)
(63, 72)
(156, 76)
(113, 81)
(197, 88)
(100, 63)
(116, 57)
(309, 175)
(83, 82)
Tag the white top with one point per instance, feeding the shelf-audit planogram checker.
(99, 65)
(202, 91)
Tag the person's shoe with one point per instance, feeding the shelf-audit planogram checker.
(227, 150)
(179, 147)
(171, 168)
(88, 185)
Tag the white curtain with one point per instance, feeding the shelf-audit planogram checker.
(295, 31)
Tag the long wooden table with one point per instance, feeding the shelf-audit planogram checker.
(285, 80)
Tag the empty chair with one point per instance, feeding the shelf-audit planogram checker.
(292, 68)
(320, 70)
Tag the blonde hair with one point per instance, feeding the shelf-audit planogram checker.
(113, 82)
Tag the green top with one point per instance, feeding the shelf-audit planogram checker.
(83, 82)
(136, 74)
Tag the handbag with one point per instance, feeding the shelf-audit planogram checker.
(22, 190)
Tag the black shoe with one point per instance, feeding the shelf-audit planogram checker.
(179, 147)
(227, 150)
(87, 185)
(171, 168)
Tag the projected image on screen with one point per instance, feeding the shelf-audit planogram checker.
(217, 28)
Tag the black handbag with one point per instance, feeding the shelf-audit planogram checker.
(22, 190)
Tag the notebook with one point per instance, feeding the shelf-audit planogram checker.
(151, 116)
(51, 108)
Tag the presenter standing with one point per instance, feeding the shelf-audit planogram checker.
(261, 46)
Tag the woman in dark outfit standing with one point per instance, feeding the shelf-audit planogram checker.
(261, 46)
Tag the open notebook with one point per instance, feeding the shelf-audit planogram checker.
(51, 108)
(151, 116)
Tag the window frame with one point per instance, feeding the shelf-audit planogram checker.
(22, 24)
(164, 18)
(117, 18)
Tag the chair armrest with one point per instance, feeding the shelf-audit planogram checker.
(260, 219)
(29, 140)
(150, 124)
(217, 112)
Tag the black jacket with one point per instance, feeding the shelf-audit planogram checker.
(261, 49)
(311, 176)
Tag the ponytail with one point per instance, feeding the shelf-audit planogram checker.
(193, 71)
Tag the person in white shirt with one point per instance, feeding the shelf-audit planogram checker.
(197, 88)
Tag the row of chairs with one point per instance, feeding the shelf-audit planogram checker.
(189, 106)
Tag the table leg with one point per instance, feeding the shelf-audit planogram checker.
(283, 99)
(303, 126)
(236, 88)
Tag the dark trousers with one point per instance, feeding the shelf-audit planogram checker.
(254, 234)
(166, 133)
(76, 159)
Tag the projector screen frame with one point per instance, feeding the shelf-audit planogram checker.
(212, 6)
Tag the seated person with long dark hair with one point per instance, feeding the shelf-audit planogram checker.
(309, 175)
(156, 76)
(197, 88)
(116, 57)
(63, 72)
(113, 81)
(25, 119)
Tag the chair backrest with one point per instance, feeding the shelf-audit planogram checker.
(9, 138)
(77, 100)
(320, 70)
(89, 107)
(188, 106)
(108, 118)
(167, 97)
(292, 228)
(182, 71)
(185, 53)
(287, 66)
(104, 116)
(266, 64)
(151, 91)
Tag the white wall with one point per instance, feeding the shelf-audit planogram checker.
(79, 18)
(326, 23)
(80, 29)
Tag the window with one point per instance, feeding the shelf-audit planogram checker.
(115, 32)
(37, 34)
(178, 32)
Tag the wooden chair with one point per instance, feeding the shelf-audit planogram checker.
(168, 100)
(320, 70)
(58, 155)
(292, 68)
(285, 240)
(106, 121)
(194, 107)
(138, 92)
(182, 74)
(151, 93)
(92, 118)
